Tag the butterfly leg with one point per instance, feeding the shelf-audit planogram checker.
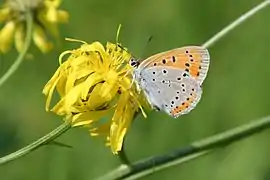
(156, 108)
(132, 82)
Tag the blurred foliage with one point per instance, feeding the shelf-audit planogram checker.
(235, 92)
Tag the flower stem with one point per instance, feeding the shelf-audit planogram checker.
(235, 23)
(38, 143)
(20, 58)
(123, 156)
(192, 151)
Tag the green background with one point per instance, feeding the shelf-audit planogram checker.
(236, 91)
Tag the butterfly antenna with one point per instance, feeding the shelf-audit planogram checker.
(118, 32)
(146, 45)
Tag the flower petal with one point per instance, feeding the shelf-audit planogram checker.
(50, 86)
(110, 84)
(51, 15)
(87, 118)
(6, 36)
(95, 101)
(40, 39)
(4, 14)
(121, 121)
(62, 16)
(19, 37)
(64, 105)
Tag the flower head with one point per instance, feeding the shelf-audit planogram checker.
(46, 17)
(95, 82)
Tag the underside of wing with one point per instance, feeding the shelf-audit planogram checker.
(194, 60)
(173, 91)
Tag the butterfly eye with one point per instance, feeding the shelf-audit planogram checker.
(133, 62)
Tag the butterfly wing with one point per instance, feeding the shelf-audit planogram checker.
(173, 91)
(193, 59)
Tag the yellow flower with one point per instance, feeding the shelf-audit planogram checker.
(46, 18)
(94, 83)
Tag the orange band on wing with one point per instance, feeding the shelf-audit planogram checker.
(185, 105)
(189, 59)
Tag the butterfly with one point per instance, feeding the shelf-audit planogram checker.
(172, 81)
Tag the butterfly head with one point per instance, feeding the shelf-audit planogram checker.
(134, 62)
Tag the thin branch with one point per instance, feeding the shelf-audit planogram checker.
(235, 23)
(125, 169)
(167, 165)
(194, 150)
(38, 143)
(123, 156)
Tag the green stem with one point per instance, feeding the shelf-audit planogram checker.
(38, 143)
(235, 23)
(123, 156)
(182, 160)
(123, 170)
(20, 58)
(192, 151)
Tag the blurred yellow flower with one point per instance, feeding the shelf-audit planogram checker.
(95, 82)
(46, 18)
